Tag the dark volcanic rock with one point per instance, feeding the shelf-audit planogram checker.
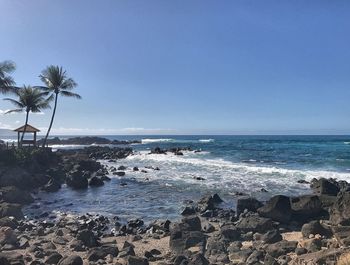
(325, 186)
(281, 248)
(13, 194)
(314, 228)
(278, 208)
(271, 237)
(96, 182)
(133, 260)
(87, 140)
(251, 204)
(10, 209)
(340, 212)
(254, 223)
(52, 186)
(71, 260)
(88, 238)
(77, 180)
(307, 207)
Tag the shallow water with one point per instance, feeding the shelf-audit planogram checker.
(229, 164)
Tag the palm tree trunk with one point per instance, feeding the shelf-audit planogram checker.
(52, 118)
(25, 127)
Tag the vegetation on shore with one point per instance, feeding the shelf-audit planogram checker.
(36, 98)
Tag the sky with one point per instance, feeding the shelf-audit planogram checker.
(185, 66)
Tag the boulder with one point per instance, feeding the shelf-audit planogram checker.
(271, 237)
(71, 260)
(10, 209)
(198, 259)
(119, 173)
(281, 248)
(88, 238)
(340, 211)
(96, 182)
(230, 233)
(248, 203)
(209, 202)
(77, 180)
(134, 260)
(307, 207)
(52, 186)
(13, 194)
(182, 239)
(192, 223)
(278, 208)
(102, 252)
(325, 186)
(7, 236)
(53, 259)
(254, 223)
(314, 228)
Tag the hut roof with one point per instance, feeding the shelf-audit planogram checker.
(29, 129)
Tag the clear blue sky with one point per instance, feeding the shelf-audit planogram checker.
(186, 67)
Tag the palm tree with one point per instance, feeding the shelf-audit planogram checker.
(57, 83)
(29, 100)
(6, 81)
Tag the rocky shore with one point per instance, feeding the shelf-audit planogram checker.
(86, 140)
(308, 229)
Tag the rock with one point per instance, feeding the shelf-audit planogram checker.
(340, 212)
(313, 245)
(306, 207)
(281, 248)
(133, 260)
(96, 182)
(208, 228)
(255, 257)
(54, 258)
(8, 221)
(71, 260)
(52, 186)
(209, 202)
(251, 204)
(192, 223)
(303, 181)
(88, 238)
(327, 256)
(254, 223)
(12, 194)
(135, 169)
(188, 211)
(300, 251)
(76, 180)
(198, 259)
(278, 208)
(7, 236)
(102, 252)
(122, 168)
(271, 237)
(182, 239)
(313, 228)
(230, 233)
(325, 186)
(135, 223)
(4, 261)
(10, 209)
(119, 173)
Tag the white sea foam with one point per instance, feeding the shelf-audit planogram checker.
(224, 174)
(148, 141)
(206, 140)
(346, 142)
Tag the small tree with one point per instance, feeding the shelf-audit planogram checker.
(29, 100)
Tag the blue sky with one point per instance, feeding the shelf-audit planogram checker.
(186, 67)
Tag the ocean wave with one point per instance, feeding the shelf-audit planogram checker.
(230, 169)
(160, 140)
(346, 142)
(206, 140)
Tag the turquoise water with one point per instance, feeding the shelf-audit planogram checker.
(228, 164)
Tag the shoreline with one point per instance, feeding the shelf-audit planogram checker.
(282, 230)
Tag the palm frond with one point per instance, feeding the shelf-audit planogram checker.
(14, 110)
(70, 94)
(15, 102)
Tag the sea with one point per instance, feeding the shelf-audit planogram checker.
(232, 166)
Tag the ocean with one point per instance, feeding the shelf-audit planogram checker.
(259, 166)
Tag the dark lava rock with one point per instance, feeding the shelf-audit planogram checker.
(133, 260)
(182, 239)
(96, 182)
(10, 209)
(71, 260)
(314, 228)
(340, 212)
(88, 238)
(198, 259)
(271, 237)
(281, 248)
(101, 252)
(119, 173)
(52, 186)
(192, 223)
(278, 208)
(230, 233)
(251, 204)
(254, 223)
(307, 207)
(189, 210)
(53, 259)
(13, 194)
(76, 180)
(325, 186)
(209, 202)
